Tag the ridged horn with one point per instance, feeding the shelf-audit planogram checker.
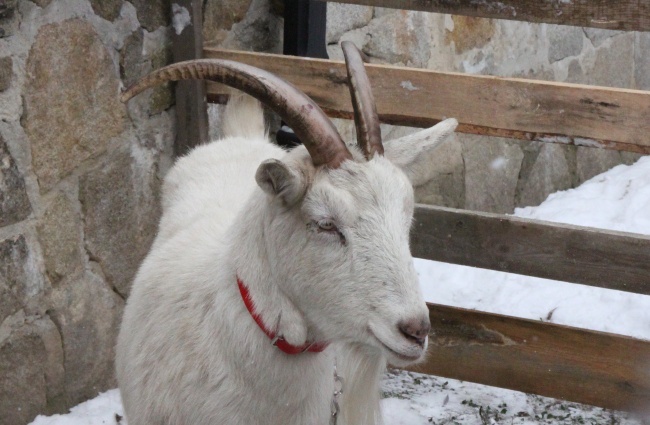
(363, 102)
(305, 117)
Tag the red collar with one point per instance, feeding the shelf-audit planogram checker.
(279, 342)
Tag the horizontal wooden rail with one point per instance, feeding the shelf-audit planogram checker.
(594, 257)
(596, 368)
(524, 109)
(632, 15)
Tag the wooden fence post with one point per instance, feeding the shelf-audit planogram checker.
(191, 106)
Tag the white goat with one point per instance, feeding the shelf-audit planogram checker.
(319, 237)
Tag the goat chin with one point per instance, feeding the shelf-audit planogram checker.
(362, 368)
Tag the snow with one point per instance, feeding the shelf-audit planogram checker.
(104, 409)
(617, 200)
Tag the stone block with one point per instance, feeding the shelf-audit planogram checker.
(469, 32)
(14, 203)
(6, 72)
(401, 37)
(120, 214)
(642, 61)
(598, 36)
(20, 276)
(54, 364)
(492, 167)
(162, 96)
(23, 393)
(359, 37)
(20, 334)
(544, 74)
(259, 31)
(9, 19)
(383, 11)
(60, 235)
(46, 3)
(13, 261)
(69, 63)
(447, 186)
(342, 18)
(629, 158)
(153, 14)
(547, 168)
(348, 131)
(564, 41)
(132, 63)
(220, 16)
(87, 313)
(591, 162)
(7, 8)
(614, 63)
(31, 366)
(107, 9)
(575, 74)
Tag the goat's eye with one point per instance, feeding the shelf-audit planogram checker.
(327, 225)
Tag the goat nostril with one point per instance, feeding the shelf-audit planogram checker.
(415, 330)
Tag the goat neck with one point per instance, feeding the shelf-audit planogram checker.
(277, 340)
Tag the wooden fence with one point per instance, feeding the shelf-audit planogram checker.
(607, 370)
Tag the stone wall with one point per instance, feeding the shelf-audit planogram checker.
(488, 173)
(79, 180)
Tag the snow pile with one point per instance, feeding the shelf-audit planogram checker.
(415, 399)
(616, 200)
(105, 409)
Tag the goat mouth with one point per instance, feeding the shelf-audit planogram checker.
(401, 356)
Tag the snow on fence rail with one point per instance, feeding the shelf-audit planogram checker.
(597, 368)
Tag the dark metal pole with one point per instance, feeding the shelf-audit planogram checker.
(304, 35)
(304, 28)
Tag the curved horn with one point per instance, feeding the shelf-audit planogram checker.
(363, 102)
(307, 120)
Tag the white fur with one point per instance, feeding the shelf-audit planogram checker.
(189, 353)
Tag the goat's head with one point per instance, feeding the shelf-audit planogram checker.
(339, 217)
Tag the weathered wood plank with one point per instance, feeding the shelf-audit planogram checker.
(594, 257)
(631, 15)
(191, 107)
(525, 109)
(584, 366)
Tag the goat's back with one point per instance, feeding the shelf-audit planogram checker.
(214, 180)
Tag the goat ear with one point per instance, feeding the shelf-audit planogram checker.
(279, 180)
(415, 153)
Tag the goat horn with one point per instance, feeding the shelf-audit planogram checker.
(363, 102)
(306, 119)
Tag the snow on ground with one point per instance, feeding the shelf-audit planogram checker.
(415, 399)
(105, 409)
(618, 200)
